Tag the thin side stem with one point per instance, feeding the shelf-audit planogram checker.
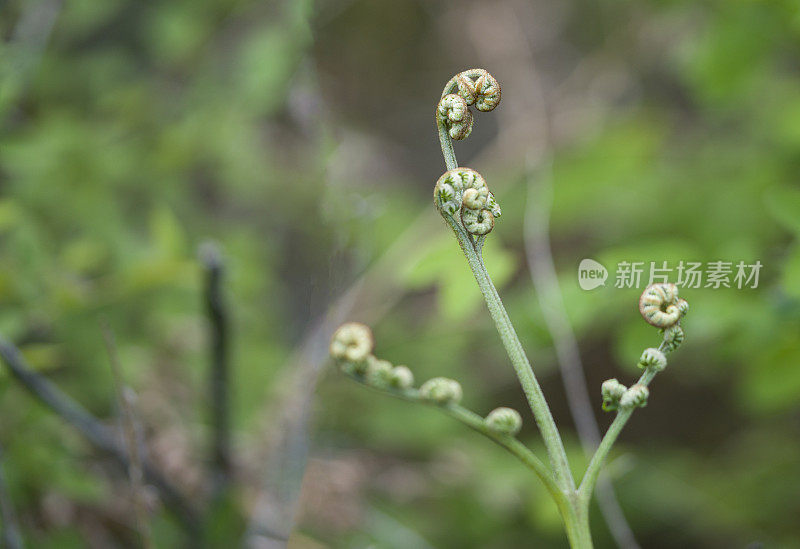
(623, 415)
(95, 432)
(476, 423)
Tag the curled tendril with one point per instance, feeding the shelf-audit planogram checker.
(673, 337)
(478, 87)
(470, 87)
(464, 190)
(454, 113)
(660, 306)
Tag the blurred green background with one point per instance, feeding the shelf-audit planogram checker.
(299, 136)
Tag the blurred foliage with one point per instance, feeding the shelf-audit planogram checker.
(300, 138)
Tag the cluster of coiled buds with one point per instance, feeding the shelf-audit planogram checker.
(616, 395)
(471, 87)
(463, 192)
(351, 347)
(661, 307)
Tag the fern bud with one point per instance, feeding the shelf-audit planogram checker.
(660, 306)
(654, 359)
(401, 378)
(506, 421)
(464, 190)
(477, 222)
(454, 113)
(635, 397)
(480, 88)
(673, 337)
(441, 390)
(378, 372)
(612, 391)
(352, 342)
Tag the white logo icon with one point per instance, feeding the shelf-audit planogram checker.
(591, 274)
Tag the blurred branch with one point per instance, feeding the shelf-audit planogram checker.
(131, 439)
(216, 308)
(12, 539)
(548, 291)
(24, 50)
(95, 432)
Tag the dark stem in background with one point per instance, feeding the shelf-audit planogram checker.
(95, 432)
(131, 438)
(548, 291)
(213, 265)
(11, 535)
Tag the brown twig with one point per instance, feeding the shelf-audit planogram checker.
(218, 330)
(95, 432)
(130, 431)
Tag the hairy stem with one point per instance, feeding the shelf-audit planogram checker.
(576, 523)
(522, 366)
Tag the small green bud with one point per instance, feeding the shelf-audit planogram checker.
(401, 377)
(378, 372)
(635, 397)
(441, 390)
(503, 420)
(673, 337)
(352, 342)
(654, 359)
(612, 391)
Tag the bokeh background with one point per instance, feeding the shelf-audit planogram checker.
(299, 136)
